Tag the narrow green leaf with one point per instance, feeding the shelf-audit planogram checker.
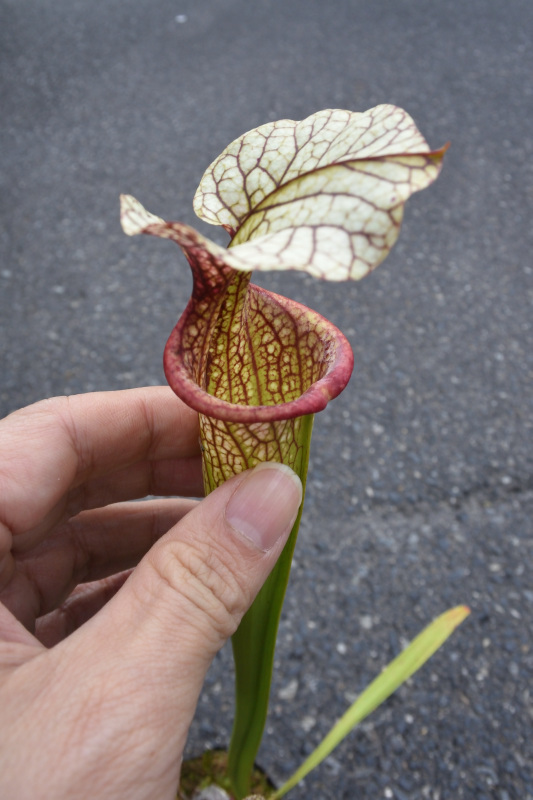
(396, 673)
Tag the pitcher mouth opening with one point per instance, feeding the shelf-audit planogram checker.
(334, 369)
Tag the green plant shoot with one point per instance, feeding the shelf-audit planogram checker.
(397, 672)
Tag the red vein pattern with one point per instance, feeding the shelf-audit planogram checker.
(232, 447)
(324, 195)
(240, 353)
(251, 362)
(257, 163)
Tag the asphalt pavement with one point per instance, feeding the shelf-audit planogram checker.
(420, 487)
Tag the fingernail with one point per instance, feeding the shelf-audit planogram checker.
(264, 506)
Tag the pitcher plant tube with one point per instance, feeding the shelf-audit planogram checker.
(326, 196)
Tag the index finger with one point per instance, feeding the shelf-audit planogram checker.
(48, 448)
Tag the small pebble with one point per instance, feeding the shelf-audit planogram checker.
(308, 723)
(288, 692)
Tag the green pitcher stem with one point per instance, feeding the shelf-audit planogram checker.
(255, 641)
(256, 634)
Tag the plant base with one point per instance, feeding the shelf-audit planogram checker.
(211, 769)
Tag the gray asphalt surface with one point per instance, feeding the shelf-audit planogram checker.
(421, 492)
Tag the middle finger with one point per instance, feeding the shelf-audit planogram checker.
(90, 546)
(164, 478)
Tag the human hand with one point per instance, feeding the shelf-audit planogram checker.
(112, 611)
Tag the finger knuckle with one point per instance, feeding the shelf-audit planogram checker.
(208, 588)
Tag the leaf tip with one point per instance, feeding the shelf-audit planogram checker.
(134, 218)
(438, 155)
(456, 615)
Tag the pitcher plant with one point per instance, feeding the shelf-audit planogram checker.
(325, 196)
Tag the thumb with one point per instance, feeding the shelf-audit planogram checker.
(160, 632)
(196, 584)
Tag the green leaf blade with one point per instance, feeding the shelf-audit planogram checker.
(396, 673)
